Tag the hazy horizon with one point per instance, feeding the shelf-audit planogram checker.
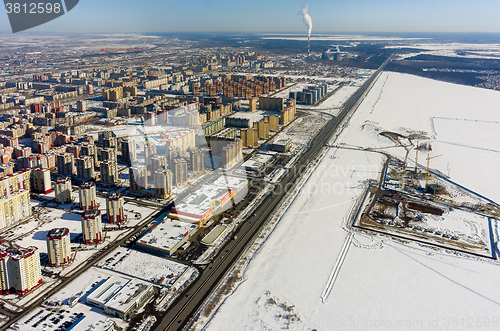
(280, 16)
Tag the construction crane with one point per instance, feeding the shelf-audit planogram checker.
(143, 120)
(416, 159)
(429, 158)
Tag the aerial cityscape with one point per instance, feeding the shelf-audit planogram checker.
(261, 180)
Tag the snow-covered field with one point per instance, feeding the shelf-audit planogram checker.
(479, 51)
(332, 104)
(314, 273)
(144, 266)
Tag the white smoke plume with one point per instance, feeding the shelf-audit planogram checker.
(306, 18)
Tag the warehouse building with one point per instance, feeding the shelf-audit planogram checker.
(121, 297)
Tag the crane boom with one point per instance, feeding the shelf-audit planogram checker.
(429, 158)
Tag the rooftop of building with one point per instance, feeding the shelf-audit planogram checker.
(19, 253)
(57, 233)
(127, 296)
(63, 180)
(167, 234)
(91, 213)
(115, 195)
(206, 197)
(87, 185)
(107, 290)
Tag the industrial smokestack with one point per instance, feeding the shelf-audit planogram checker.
(306, 18)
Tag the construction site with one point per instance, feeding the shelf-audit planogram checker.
(422, 205)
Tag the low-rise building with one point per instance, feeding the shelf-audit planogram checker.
(120, 296)
(167, 236)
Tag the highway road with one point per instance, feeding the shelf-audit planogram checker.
(186, 305)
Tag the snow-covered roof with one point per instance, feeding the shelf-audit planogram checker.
(167, 234)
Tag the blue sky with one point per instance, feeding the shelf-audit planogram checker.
(275, 16)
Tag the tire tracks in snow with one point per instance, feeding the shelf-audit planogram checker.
(336, 269)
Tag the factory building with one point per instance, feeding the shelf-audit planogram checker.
(114, 207)
(92, 227)
(58, 247)
(87, 195)
(63, 190)
(20, 270)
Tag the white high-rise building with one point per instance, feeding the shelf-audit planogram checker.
(92, 226)
(114, 207)
(63, 190)
(59, 247)
(87, 196)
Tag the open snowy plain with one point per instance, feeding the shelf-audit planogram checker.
(315, 273)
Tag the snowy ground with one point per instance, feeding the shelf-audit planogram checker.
(321, 276)
(79, 289)
(33, 232)
(332, 104)
(144, 266)
(479, 51)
